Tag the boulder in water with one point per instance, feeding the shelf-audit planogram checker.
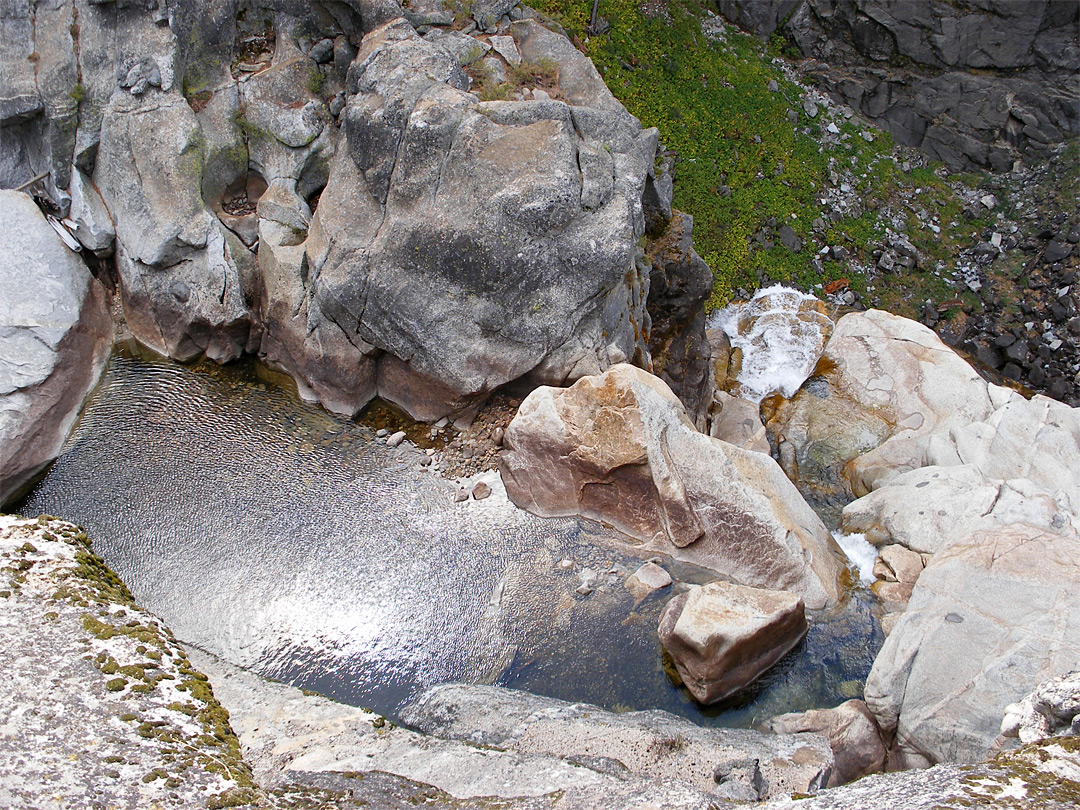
(619, 448)
(722, 637)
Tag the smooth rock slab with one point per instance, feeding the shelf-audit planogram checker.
(723, 636)
(55, 335)
(991, 617)
(652, 744)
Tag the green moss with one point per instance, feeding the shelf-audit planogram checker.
(78, 92)
(316, 82)
(116, 684)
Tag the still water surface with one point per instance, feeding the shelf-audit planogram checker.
(291, 542)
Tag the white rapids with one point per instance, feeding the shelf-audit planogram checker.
(781, 333)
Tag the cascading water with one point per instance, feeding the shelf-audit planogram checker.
(781, 333)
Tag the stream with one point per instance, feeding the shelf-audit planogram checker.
(294, 543)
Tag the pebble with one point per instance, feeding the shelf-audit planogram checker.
(481, 491)
(566, 564)
(461, 495)
(396, 439)
(381, 432)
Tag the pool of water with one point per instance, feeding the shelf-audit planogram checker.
(293, 543)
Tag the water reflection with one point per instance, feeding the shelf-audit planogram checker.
(292, 543)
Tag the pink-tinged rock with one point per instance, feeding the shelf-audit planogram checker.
(619, 448)
(722, 637)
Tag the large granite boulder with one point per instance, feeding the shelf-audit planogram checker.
(722, 637)
(619, 448)
(885, 387)
(455, 244)
(55, 335)
(973, 84)
(729, 763)
(993, 615)
(852, 732)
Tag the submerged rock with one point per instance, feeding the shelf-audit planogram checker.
(55, 335)
(722, 637)
(619, 448)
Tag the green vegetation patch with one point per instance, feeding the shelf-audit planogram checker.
(751, 158)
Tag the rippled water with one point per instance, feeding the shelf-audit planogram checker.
(291, 542)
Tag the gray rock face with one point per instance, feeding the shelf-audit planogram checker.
(723, 637)
(55, 335)
(729, 763)
(458, 246)
(454, 246)
(990, 617)
(972, 84)
(619, 448)
(679, 284)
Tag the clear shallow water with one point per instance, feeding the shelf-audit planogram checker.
(288, 541)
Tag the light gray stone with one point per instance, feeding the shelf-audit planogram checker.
(650, 577)
(653, 745)
(55, 335)
(992, 616)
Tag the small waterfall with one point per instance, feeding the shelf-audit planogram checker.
(781, 333)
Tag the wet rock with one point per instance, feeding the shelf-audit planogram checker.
(652, 745)
(888, 386)
(619, 448)
(679, 285)
(722, 637)
(395, 439)
(853, 736)
(55, 335)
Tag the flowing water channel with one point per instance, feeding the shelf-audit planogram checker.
(291, 542)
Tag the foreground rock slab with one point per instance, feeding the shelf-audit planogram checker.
(99, 706)
(55, 335)
(288, 735)
(619, 448)
(722, 637)
(729, 763)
